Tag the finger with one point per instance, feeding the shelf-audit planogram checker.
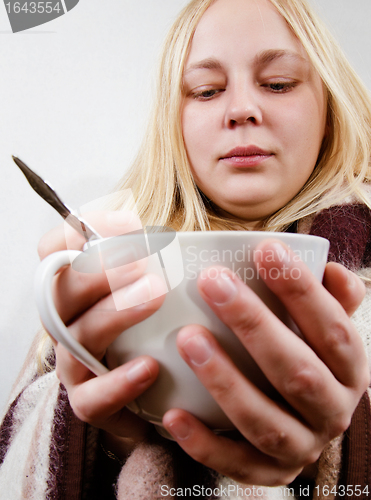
(97, 338)
(345, 286)
(291, 366)
(319, 316)
(68, 369)
(64, 237)
(55, 240)
(264, 423)
(101, 401)
(100, 398)
(238, 460)
(75, 292)
(97, 328)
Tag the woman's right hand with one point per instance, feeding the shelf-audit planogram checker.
(85, 304)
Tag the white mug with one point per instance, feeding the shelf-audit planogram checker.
(178, 259)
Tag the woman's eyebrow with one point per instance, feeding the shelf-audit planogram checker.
(267, 56)
(262, 59)
(209, 63)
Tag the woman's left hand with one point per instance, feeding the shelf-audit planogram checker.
(322, 379)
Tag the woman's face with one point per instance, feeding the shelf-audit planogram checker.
(254, 111)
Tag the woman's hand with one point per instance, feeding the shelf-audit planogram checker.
(85, 304)
(321, 380)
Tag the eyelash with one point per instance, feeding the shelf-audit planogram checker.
(202, 97)
(287, 86)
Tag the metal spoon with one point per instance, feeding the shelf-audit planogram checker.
(46, 192)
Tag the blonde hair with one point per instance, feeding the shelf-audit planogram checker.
(161, 178)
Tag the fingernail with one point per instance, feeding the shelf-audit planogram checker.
(220, 289)
(273, 257)
(138, 373)
(179, 429)
(198, 349)
(280, 253)
(139, 292)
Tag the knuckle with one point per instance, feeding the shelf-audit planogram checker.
(82, 414)
(222, 388)
(202, 455)
(310, 457)
(333, 427)
(362, 378)
(249, 323)
(338, 334)
(299, 288)
(82, 409)
(303, 380)
(240, 475)
(338, 425)
(278, 444)
(273, 442)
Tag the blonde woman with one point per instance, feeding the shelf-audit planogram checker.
(260, 123)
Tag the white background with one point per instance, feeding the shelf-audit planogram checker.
(74, 97)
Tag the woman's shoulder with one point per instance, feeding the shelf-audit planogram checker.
(348, 228)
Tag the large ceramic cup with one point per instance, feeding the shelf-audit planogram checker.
(177, 258)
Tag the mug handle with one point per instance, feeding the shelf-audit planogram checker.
(48, 312)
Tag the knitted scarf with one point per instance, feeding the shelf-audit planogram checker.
(46, 453)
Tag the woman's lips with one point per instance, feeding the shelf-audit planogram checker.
(249, 156)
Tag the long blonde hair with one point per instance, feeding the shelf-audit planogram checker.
(160, 177)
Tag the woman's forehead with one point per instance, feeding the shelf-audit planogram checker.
(247, 26)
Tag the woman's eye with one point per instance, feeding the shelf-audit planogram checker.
(205, 95)
(280, 87)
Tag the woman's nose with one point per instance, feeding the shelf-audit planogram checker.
(243, 107)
